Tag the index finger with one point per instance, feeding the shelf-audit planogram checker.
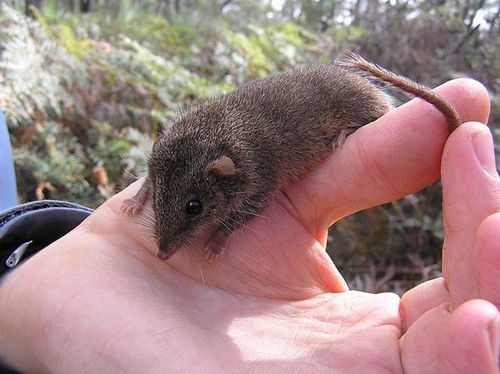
(396, 155)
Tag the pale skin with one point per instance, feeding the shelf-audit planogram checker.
(100, 301)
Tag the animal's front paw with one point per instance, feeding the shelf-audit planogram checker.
(215, 249)
(131, 207)
(213, 257)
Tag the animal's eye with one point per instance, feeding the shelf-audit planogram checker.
(194, 206)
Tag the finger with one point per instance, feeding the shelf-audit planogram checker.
(419, 346)
(485, 268)
(464, 341)
(470, 343)
(471, 193)
(396, 155)
(486, 260)
(421, 299)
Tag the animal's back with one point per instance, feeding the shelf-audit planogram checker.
(291, 121)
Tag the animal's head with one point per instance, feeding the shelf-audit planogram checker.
(190, 184)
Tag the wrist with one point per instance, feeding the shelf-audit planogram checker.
(24, 230)
(18, 338)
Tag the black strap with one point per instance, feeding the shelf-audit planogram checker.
(30, 227)
(6, 370)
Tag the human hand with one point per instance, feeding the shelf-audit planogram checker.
(99, 299)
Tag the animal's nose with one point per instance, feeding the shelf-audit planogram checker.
(165, 254)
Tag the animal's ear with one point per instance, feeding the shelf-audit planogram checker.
(222, 167)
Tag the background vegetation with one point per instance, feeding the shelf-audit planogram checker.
(85, 86)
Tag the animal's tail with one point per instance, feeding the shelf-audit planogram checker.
(353, 61)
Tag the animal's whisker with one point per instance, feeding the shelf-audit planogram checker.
(130, 174)
(146, 214)
(238, 192)
(146, 217)
(193, 241)
(243, 225)
(201, 275)
(148, 225)
(251, 213)
(227, 226)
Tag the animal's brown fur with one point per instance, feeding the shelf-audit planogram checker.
(274, 130)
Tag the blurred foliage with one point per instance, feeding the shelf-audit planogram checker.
(85, 94)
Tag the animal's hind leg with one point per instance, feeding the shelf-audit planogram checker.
(344, 133)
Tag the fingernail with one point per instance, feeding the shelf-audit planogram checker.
(485, 152)
(493, 334)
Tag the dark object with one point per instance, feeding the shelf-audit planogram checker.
(234, 152)
(30, 4)
(6, 370)
(33, 226)
(85, 6)
(194, 207)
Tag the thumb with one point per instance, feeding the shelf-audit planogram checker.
(471, 193)
(470, 342)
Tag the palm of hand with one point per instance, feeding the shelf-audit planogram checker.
(275, 302)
